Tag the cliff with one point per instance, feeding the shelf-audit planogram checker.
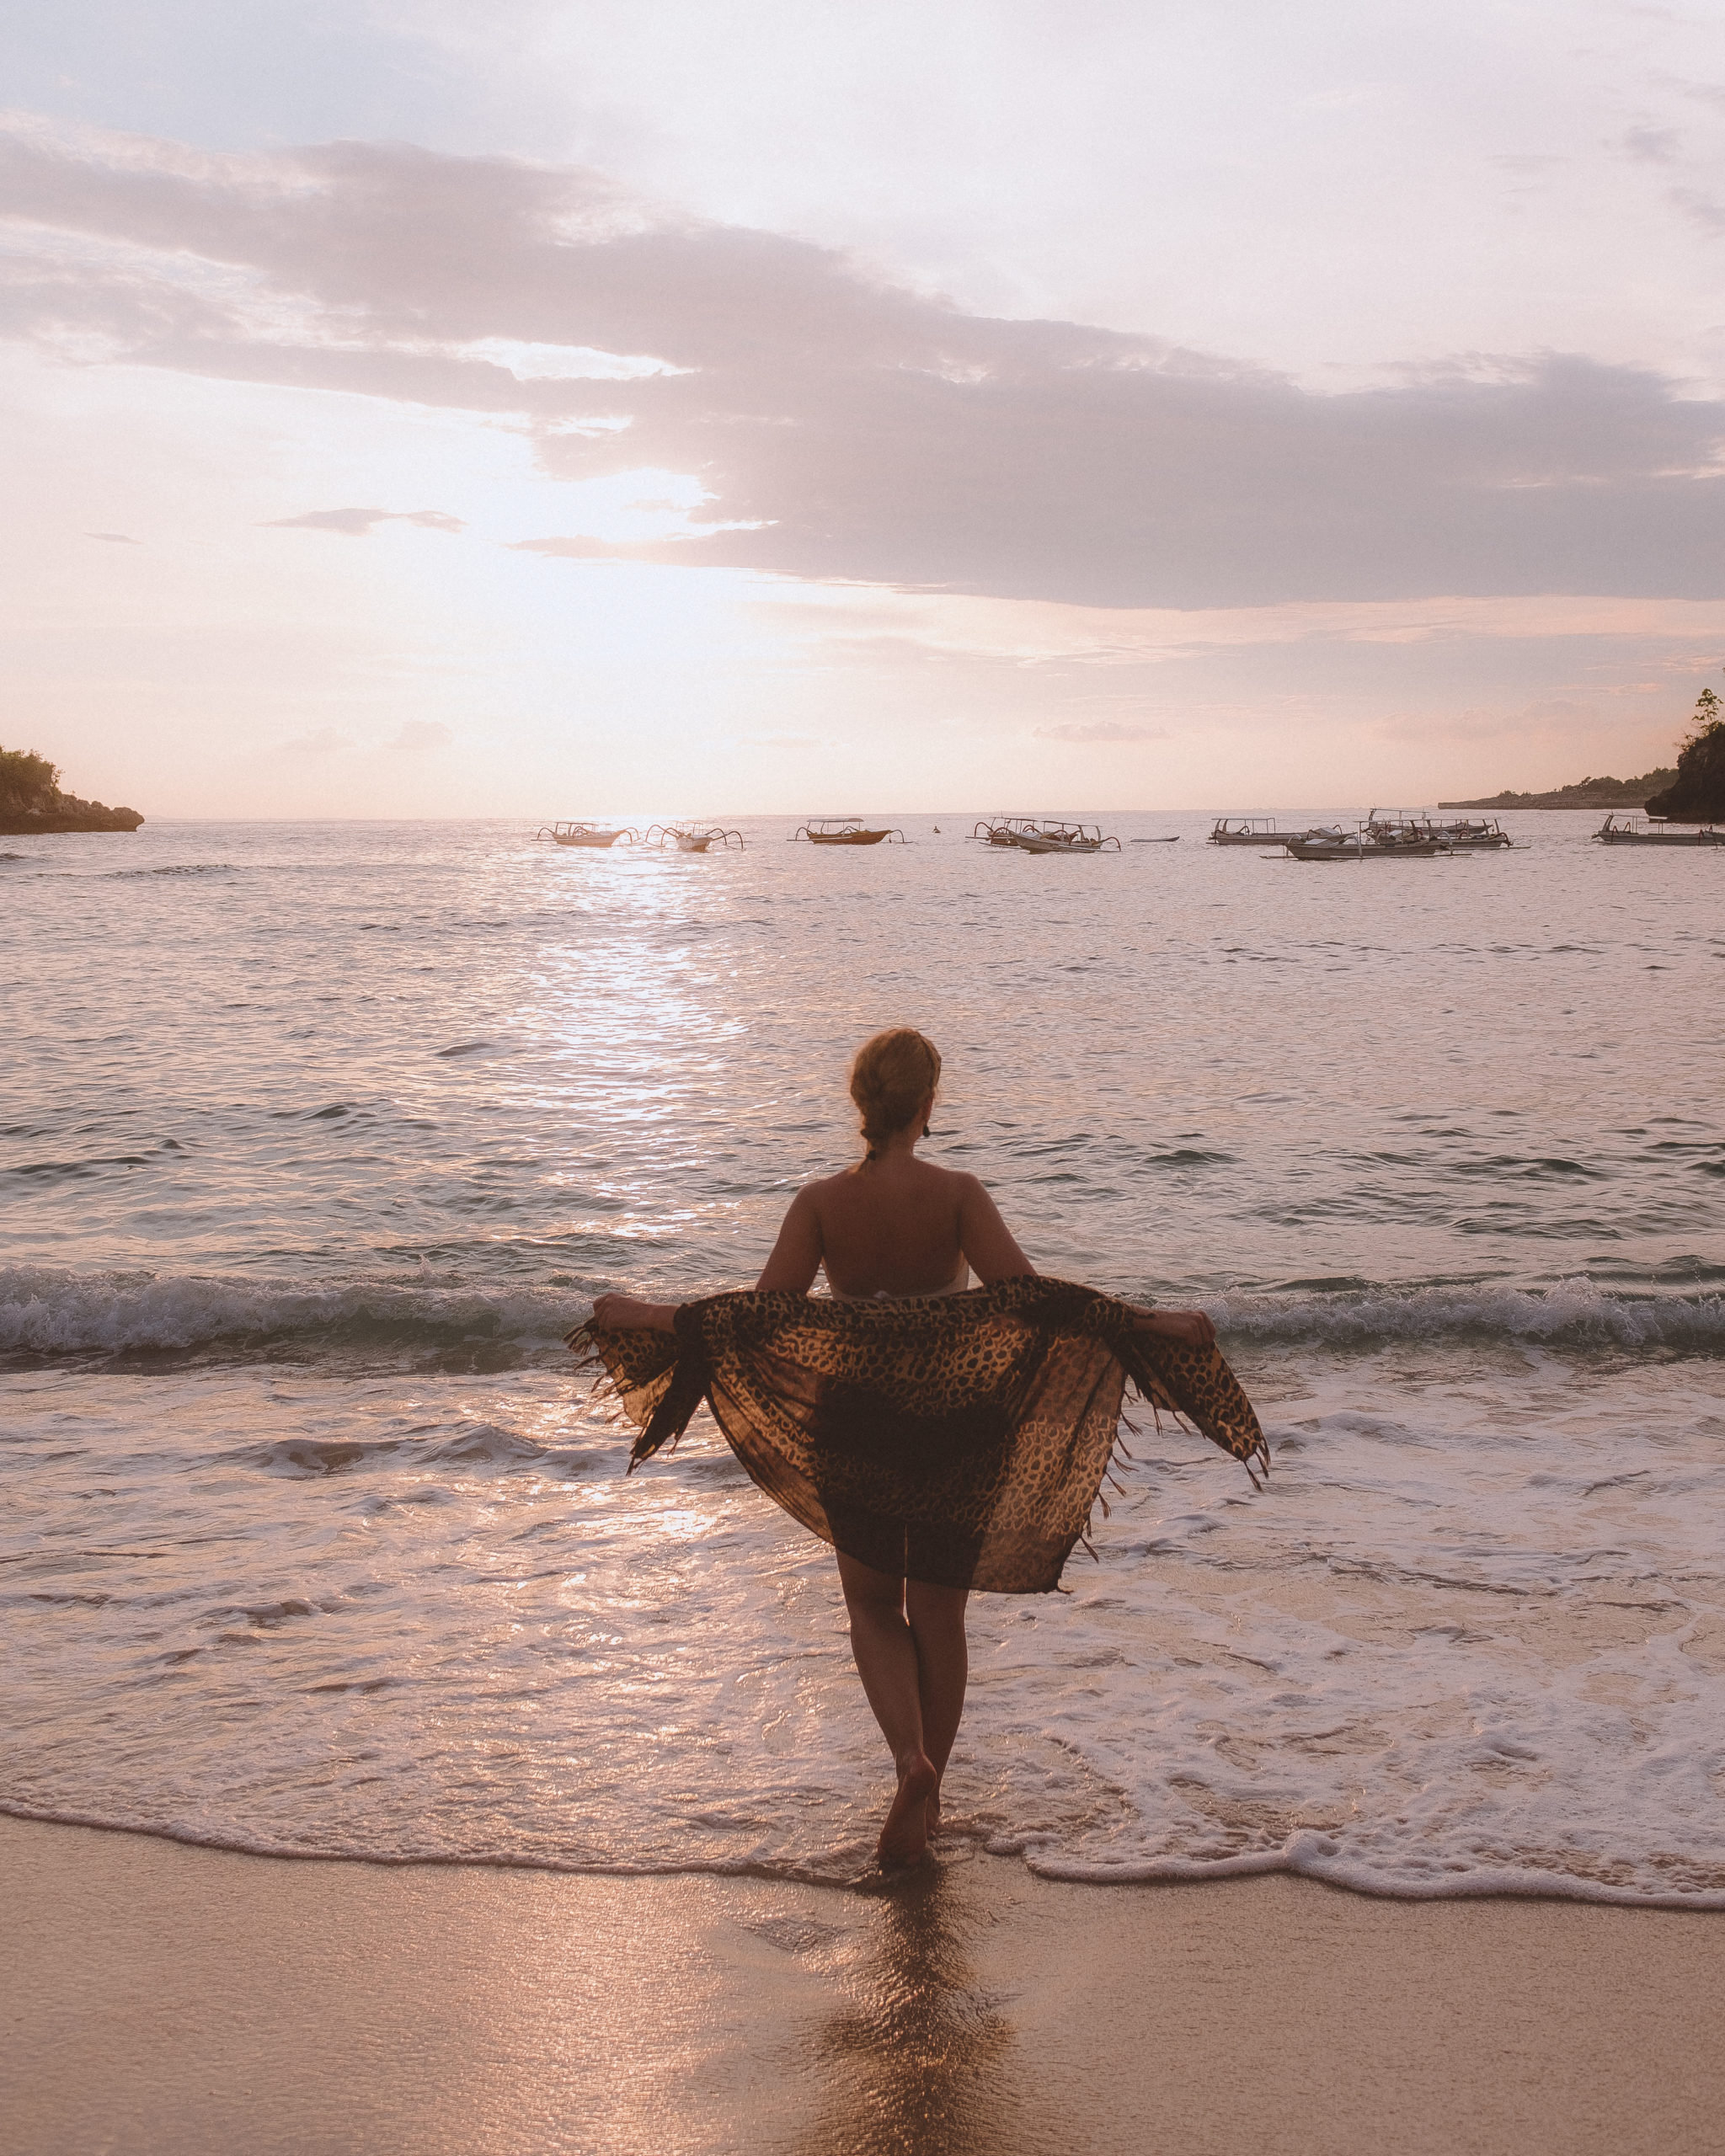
(1585, 793)
(1696, 794)
(30, 800)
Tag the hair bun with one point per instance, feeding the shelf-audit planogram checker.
(891, 1077)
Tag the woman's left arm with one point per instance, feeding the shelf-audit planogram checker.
(629, 1314)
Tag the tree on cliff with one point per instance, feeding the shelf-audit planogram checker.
(27, 782)
(1697, 795)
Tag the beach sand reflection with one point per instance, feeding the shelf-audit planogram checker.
(921, 2056)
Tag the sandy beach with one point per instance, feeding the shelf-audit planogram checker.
(160, 1997)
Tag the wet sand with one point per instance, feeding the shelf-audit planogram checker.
(159, 1997)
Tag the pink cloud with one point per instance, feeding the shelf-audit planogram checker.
(1098, 731)
(841, 427)
(360, 523)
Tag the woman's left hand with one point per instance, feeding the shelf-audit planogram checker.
(1191, 1328)
(630, 1314)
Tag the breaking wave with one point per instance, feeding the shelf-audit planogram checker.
(1575, 1311)
(47, 1312)
(44, 1311)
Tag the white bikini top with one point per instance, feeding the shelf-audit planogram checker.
(956, 1286)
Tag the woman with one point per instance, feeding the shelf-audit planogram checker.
(891, 1228)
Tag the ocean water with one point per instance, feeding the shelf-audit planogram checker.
(316, 1137)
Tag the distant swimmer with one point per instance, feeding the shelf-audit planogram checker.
(941, 1437)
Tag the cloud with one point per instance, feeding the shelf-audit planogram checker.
(1652, 146)
(116, 538)
(1099, 730)
(577, 550)
(1700, 210)
(420, 734)
(325, 741)
(360, 523)
(416, 737)
(841, 428)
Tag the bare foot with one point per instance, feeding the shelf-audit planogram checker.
(931, 1812)
(906, 1835)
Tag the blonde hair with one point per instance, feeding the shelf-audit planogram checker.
(892, 1077)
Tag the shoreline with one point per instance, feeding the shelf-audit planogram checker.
(1321, 1867)
(164, 1994)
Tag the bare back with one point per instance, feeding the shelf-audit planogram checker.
(895, 1225)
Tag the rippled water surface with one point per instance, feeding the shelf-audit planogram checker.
(316, 1137)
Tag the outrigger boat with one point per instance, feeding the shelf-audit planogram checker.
(1367, 844)
(843, 831)
(1629, 831)
(1030, 837)
(1064, 838)
(1402, 824)
(1251, 830)
(690, 838)
(587, 833)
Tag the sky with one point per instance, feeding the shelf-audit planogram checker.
(664, 408)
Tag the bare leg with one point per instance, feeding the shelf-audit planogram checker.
(887, 1662)
(936, 1621)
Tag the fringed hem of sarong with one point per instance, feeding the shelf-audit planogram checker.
(910, 1411)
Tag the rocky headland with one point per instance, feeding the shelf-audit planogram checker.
(31, 801)
(1696, 794)
(1585, 793)
(1692, 794)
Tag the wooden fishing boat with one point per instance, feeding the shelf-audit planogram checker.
(1064, 838)
(1630, 831)
(1002, 830)
(691, 838)
(1412, 826)
(1251, 830)
(587, 833)
(843, 831)
(1362, 846)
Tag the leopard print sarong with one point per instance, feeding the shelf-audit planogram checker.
(960, 1439)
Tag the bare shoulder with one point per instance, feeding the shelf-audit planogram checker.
(819, 1187)
(969, 1197)
(821, 1199)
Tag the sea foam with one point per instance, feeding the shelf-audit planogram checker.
(1468, 1640)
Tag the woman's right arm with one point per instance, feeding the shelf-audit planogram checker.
(797, 1254)
(987, 1240)
(795, 1261)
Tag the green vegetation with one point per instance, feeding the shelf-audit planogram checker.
(1696, 794)
(27, 781)
(1707, 718)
